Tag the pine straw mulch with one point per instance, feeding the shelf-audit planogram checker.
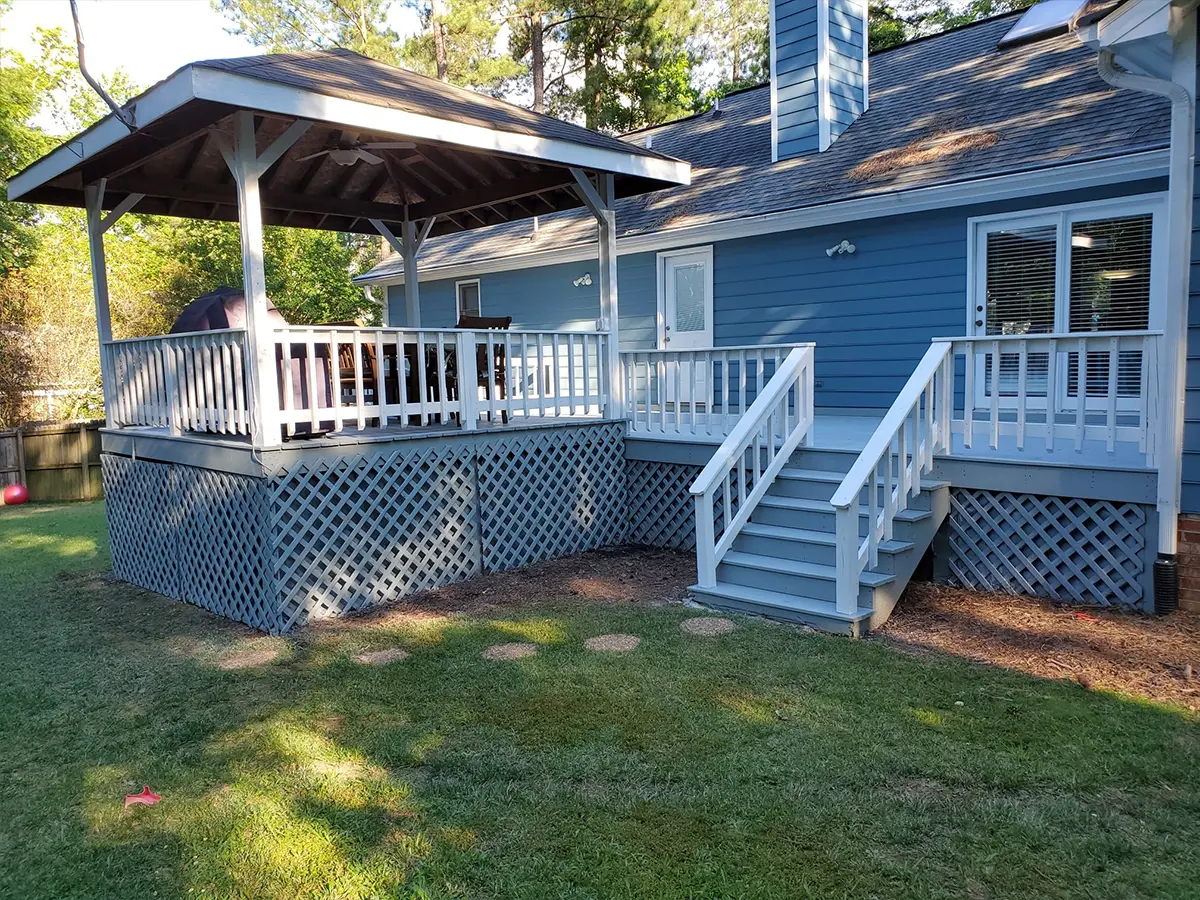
(1146, 656)
(612, 575)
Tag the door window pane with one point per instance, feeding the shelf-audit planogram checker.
(1020, 267)
(468, 298)
(1110, 291)
(689, 298)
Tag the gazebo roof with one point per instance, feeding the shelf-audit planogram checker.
(473, 160)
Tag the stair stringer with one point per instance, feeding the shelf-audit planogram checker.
(922, 534)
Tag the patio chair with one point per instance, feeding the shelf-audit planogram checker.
(483, 323)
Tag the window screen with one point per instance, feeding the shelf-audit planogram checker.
(468, 298)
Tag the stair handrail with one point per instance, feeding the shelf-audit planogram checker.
(917, 430)
(778, 421)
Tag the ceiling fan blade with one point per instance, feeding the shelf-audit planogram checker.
(312, 155)
(389, 145)
(369, 158)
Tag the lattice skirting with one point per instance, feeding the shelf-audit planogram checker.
(662, 512)
(1082, 551)
(192, 534)
(327, 536)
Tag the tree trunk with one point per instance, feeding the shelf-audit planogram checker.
(439, 40)
(537, 61)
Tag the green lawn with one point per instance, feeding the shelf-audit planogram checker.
(766, 763)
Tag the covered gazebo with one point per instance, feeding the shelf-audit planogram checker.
(330, 140)
(273, 472)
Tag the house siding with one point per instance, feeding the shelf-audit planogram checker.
(797, 106)
(847, 86)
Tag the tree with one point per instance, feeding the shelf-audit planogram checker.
(885, 26)
(735, 34)
(282, 25)
(459, 44)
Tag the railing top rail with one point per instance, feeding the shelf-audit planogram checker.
(499, 332)
(1045, 336)
(881, 440)
(748, 425)
(738, 347)
(170, 337)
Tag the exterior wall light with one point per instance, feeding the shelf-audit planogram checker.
(839, 249)
(585, 278)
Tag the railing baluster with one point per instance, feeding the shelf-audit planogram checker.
(310, 350)
(1114, 362)
(381, 379)
(571, 370)
(1022, 372)
(1052, 395)
(678, 360)
(994, 419)
(360, 397)
(1081, 394)
(508, 375)
(969, 394)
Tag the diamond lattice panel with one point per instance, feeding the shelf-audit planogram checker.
(138, 504)
(549, 493)
(661, 510)
(1082, 551)
(223, 548)
(360, 530)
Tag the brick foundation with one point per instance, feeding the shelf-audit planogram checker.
(1189, 563)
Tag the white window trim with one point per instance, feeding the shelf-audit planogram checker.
(1155, 204)
(458, 286)
(660, 290)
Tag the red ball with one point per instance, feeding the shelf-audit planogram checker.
(15, 495)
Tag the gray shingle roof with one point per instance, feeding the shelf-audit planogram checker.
(352, 76)
(1037, 105)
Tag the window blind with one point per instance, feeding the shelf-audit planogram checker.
(1110, 274)
(1021, 266)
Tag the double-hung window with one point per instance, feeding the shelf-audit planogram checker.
(1082, 269)
(467, 293)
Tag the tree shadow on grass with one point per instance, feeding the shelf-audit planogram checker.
(765, 763)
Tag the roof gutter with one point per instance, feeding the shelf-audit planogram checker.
(1173, 367)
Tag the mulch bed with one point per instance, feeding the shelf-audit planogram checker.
(1146, 656)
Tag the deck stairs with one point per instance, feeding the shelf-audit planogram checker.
(782, 564)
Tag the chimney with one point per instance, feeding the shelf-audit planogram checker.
(818, 73)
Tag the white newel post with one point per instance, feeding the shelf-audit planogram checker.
(260, 344)
(410, 245)
(94, 200)
(608, 298)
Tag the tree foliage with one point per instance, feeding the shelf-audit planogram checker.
(282, 25)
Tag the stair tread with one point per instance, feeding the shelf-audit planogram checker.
(777, 600)
(904, 515)
(814, 537)
(801, 474)
(796, 567)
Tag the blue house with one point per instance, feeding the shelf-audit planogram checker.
(996, 184)
(925, 309)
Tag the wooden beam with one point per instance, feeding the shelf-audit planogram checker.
(491, 193)
(287, 201)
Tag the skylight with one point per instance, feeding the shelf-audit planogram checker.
(1042, 20)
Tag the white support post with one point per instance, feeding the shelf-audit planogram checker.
(409, 245)
(260, 345)
(94, 202)
(601, 200)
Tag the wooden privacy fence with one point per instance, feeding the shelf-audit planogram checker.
(58, 461)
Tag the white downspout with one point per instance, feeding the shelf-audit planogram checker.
(1173, 372)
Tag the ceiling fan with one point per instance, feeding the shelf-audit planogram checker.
(349, 154)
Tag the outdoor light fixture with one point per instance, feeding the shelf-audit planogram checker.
(585, 278)
(839, 249)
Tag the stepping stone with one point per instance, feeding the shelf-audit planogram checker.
(612, 643)
(498, 652)
(707, 626)
(248, 659)
(382, 657)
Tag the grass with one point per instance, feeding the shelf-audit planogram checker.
(767, 763)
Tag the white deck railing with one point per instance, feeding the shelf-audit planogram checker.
(1028, 387)
(1095, 390)
(695, 392)
(890, 466)
(355, 378)
(777, 422)
(184, 382)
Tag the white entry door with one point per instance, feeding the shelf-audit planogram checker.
(685, 314)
